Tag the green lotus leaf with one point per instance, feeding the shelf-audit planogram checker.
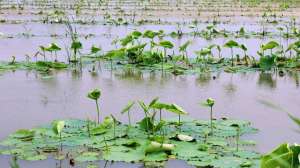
(94, 94)
(88, 157)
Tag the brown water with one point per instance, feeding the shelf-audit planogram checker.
(27, 100)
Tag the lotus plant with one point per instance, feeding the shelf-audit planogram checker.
(53, 47)
(183, 49)
(231, 44)
(174, 108)
(95, 95)
(269, 46)
(76, 46)
(150, 35)
(95, 50)
(165, 45)
(127, 110)
(57, 128)
(210, 103)
(237, 127)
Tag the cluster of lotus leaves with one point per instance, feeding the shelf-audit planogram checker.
(85, 141)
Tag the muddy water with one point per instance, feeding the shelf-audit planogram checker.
(264, 99)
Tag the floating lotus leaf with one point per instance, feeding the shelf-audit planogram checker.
(156, 157)
(230, 162)
(247, 154)
(111, 145)
(124, 154)
(34, 157)
(88, 157)
(24, 135)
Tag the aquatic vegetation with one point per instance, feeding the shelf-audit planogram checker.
(40, 66)
(231, 44)
(112, 144)
(210, 103)
(95, 95)
(127, 110)
(58, 127)
(76, 46)
(284, 155)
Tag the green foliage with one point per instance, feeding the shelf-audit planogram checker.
(270, 45)
(267, 62)
(231, 44)
(76, 45)
(283, 156)
(95, 49)
(166, 44)
(191, 145)
(58, 127)
(128, 107)
(94, 94)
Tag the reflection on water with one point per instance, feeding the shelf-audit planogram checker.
(63, 95)
(267, 80)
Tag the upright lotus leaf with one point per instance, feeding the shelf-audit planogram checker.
(153, 102)
(166, 44)
(174, 108)
(146, 124)
(294, 46)
(237, 127)
(43, 48)
(144, 107)
(270, 45)
(184, 46)
(242, 31)
(128, 39)
(95, 49)
(136, 34)
(243, 47)
(58, 126)
(231, 44)
(160, 105)
(295, 119)
(149, 34)
(127, 110)
(76, 45)
(282, 156)
(54, 47)
(210, 103)
(94, 94)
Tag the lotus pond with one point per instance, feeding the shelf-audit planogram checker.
(149, 84)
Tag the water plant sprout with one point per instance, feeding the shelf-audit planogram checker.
(57, 128)
(210, 103)
(237, 127)
(231, 44)
(127, 110)
(95, 95)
